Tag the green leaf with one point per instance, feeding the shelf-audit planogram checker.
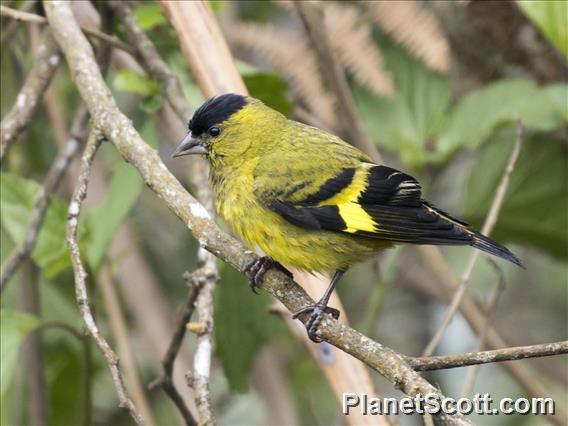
(481, 112)
(407, 123)
(550, 17)
(270, 89)
(217, 5)
(14, 327)
(151, 103)
(534, 211)
(558, 92)
(127, 80)
(17, 200)
(104, 220)
(242, 326)
(149, 15)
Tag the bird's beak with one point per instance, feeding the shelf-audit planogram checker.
(189, 146)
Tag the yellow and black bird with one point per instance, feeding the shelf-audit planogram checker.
(308, 199)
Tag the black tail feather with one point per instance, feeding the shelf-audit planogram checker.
(487, 245)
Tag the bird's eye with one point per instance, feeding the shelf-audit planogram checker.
(214, 131)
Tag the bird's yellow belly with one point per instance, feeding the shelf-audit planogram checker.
(311, 250)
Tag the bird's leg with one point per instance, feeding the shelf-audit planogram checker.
(317, 310)
(256, 270)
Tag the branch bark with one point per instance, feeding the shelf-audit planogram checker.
(80, 276)
(166, 379)
(23, 16)
(28, 99)
(430, 363)
(344, 372)
(120, 332)
(157, 67)
(490, 309)
(119, 130)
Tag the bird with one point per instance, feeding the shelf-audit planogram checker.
(310, 200)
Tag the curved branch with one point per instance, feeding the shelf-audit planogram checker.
(27, 101)
(81, 275)
(119, 130)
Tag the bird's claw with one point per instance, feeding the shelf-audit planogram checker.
(317, 314)
(256, 270)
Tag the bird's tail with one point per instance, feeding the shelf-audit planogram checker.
(487, 245)
(476, 239)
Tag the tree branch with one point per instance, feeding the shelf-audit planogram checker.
(166, 379)
(80, 275)
(27, 101)
(43, 197)
(19, 15)
(120, 331)
(119, 130)
(202, 43)
(469, 381)
(157, 67)
(430, 363)
(488, 225)
(152, 60)
(205, 278)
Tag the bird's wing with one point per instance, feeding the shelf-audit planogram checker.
(372, 201)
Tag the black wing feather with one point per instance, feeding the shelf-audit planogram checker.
(394, 202)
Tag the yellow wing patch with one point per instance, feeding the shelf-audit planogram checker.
(355, 218)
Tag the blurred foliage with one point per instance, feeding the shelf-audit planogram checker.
(17, 201)
(104, 220)
(550, 17)
(15, 327)
(457, 144)
(242, 326)
(539, 183)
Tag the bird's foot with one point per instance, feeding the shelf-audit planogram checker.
(256, 270)
(317, 311)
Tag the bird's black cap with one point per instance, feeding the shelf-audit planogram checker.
(215, 111)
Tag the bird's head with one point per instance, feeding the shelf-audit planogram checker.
(226, 126)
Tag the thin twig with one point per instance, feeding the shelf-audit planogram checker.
(80, 276)
(430, 363)
(166, 379)
(19, 15)
(43, 197)
(312, 16)
(121, 335)
(119, 130)
(155, 65)
(488, 225)
(152, 60)
(27, 101)
(9, 29)
(199, 377)
(469, 381)
(475, 317)
(207, 53)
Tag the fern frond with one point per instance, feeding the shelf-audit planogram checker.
(351, 39)
(413, 26)
(289, 54)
